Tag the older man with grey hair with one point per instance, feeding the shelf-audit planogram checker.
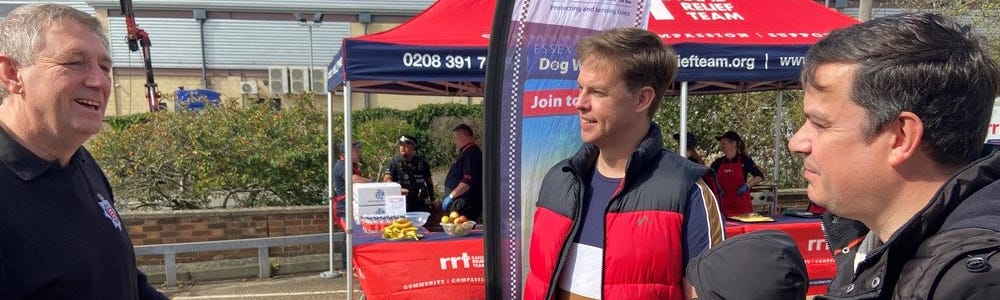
(60, 234)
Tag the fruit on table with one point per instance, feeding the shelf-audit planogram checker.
(401, 228)
(459, 223)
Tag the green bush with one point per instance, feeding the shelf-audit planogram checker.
(256, 156)
(253, 156)
(378, 143)
(752, 115)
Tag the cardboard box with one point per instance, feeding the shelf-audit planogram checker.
(368, 194)
(367, 210)
(369, 198)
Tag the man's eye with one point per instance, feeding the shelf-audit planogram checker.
(816, 125)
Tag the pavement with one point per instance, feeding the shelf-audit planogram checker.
(289, 287)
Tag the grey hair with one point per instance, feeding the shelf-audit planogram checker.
(24, 28)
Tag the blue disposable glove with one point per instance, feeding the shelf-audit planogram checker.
(743, 189)
(445, 202)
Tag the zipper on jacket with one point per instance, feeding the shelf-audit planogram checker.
(554, 281)
(604, 223)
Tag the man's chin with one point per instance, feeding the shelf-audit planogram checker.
(815, 196)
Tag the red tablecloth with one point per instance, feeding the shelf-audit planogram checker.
(808, 236)
(438, 266)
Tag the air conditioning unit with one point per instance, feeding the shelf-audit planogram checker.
(248, 87)
(318, 79)
(278, 80)
(298, 79)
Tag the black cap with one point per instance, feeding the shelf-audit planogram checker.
(732, 135)
(354, 144)
(405, 139)
(692, 140)
(758, 265)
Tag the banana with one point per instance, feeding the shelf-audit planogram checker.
(400, 229)
(402, 222)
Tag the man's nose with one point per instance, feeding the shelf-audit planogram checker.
(582, 103)
(798, 143)
(97, 77)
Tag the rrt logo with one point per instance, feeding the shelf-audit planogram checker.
(465, 259)
(817, 244)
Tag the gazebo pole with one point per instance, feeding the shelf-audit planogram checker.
(682, 136)
(348, 193)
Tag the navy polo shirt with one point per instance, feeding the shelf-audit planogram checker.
(468, 168)
(60, 235)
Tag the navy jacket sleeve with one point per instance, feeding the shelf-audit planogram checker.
(146, 291)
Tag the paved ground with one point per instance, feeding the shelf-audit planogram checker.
(304, 287)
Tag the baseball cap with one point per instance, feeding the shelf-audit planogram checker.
(404, 139)
(692, 140)
(757, 265)
(732, 135)
(354, 145)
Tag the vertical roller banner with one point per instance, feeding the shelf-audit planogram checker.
(530, 116)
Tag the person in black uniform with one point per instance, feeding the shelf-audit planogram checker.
(413, 174)
(60, 234)
(463, 185)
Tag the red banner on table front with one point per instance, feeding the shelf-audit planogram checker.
(808, 236)
(447, 269)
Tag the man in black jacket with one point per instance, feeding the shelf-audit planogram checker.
(413, 174)
(60, 235)
(896, 114)
(463, 186)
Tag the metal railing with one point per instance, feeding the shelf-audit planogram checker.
(170, 251)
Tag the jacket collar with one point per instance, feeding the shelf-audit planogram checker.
(965, 183)
(19, 160)
(647, 151)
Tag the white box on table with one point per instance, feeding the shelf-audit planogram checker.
(367, 194)
(367, 210)
(369, 198)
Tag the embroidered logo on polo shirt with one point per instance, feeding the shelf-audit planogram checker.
(109, 211)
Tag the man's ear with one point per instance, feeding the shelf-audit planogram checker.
(8, 75)
(645, 99)
(907, 132)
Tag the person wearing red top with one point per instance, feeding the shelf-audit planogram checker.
(339, 182)
(621, 218)
(736, 173)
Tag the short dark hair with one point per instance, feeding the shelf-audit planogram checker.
(639, 55)
(922, 63)
(464, 129)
